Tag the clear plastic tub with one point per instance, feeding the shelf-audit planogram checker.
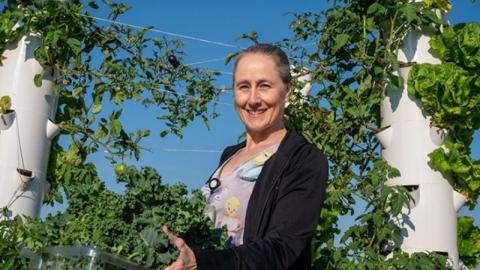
(77, 258)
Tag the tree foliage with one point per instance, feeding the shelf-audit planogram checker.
(353, 60)
(105, 66)
(98, 70)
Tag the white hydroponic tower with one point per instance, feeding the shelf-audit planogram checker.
(26, 133)
(431, 222)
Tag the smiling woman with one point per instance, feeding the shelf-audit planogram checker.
(269, 189)
(260, 94)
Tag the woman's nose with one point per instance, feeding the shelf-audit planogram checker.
(254, 97)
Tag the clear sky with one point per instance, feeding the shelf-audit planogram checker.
(219, 21)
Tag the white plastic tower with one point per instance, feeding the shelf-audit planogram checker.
(25, 143)
(431, 223)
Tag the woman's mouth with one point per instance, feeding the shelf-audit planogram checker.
(255, 112)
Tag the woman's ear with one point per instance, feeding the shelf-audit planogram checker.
(289, 92)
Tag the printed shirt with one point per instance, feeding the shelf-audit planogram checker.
(227, 204)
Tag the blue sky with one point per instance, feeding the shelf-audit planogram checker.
(219, 21)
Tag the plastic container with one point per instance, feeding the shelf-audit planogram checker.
(76, 258)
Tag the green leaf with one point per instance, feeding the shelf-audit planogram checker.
(118, 98)
(74, 45)
(397, 203)
(37, 80)
(443, 5)
(456, 162)
(97, 108)
(378, 70)
(101, 132)
(448, 93)
(230, 56)
(5, 104)
(376, 8)
(438, 45)
(92, 4)
(151, 237)
(438, 160)
(468, 236)
(410, 11)
(340, 41)
(396, 82)
(41, 55)
(115, 127)
(77, 91)
(432, 17)
(164, 133)
(459, 44)
(253, 36)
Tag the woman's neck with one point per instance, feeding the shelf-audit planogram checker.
(260, 140)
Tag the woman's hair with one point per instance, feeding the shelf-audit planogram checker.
(278, 55)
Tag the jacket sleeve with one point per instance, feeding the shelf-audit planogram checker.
(293, 221)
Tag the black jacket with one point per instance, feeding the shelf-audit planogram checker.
(282, 212)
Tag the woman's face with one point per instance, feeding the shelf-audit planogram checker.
(260, 93)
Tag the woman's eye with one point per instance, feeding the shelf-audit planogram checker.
(242, 87)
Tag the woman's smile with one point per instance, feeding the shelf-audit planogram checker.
(256, 112)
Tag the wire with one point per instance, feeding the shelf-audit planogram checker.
(220, 59)
(154, 149)
(186, 150)
(180, 36)
(164, 32)
(308, 44)
(206, 61)
(176, 35)
(224, 72)
(210, 61)
(194, 97)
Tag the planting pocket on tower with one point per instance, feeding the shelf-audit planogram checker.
(6, 119)
(26, 177)
(414, 191)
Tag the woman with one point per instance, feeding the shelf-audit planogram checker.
(268, 190)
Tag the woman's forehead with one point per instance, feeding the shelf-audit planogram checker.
(256, 66)
(256, 57)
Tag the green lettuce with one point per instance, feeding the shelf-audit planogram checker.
(468, 236)
(450, 94)
(460, 45)
(457, 165)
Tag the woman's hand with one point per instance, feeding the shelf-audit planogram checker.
(186, 259)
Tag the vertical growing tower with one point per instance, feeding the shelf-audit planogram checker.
(25, 144)
(430, 223)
